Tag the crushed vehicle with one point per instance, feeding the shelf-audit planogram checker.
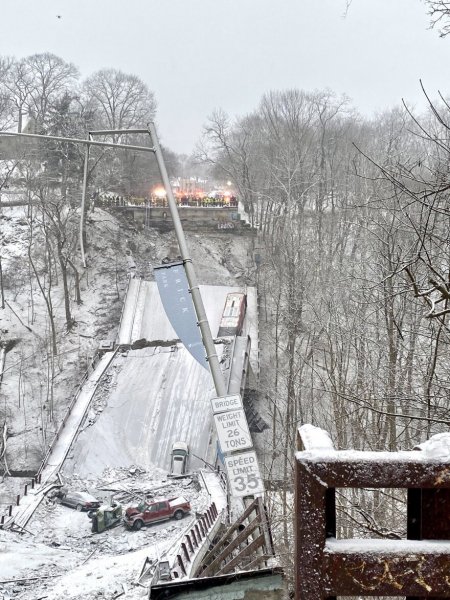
(156, 509)
(179, 455)
(105, 517)
(79, 500)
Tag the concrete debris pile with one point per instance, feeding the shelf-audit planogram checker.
(59, 555)
(129, 485)
(62, 527)
(26, 565)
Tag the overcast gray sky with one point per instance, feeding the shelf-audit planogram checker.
(197, 55)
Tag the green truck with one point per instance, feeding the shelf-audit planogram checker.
(105, 517)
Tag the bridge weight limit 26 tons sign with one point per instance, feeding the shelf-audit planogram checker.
(233, 433)
(232, 430)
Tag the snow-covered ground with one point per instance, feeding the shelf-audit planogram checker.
(72, 529)
(37, 388)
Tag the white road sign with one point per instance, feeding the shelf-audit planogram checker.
(243, 474)
(232, 430)
(225, 403)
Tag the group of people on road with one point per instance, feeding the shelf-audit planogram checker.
(110, 200)
(210, 202)
(206, 201)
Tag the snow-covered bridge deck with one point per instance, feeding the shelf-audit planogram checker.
(144, 316)
(159, 395)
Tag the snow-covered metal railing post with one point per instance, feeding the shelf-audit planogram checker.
(417, 567)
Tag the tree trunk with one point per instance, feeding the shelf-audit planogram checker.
(63, 267)
(2, 291)
(77, 282)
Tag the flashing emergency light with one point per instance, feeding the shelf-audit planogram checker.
(160, 192)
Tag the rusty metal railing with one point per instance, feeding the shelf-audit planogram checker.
(415, 568)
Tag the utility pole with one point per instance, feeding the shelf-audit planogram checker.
(83, 203)
(211, 354)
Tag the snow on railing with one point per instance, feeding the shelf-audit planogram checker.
(130, 277)
(415, 567)
(314, 438)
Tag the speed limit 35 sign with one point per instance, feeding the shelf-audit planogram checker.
(243, 474)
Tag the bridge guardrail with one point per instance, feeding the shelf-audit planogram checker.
(130, 277)
(85, 377)
(195, 541)
(327, 567)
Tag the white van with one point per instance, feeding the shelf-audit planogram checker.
(180, 453)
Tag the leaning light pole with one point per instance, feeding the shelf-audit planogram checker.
(208, 342)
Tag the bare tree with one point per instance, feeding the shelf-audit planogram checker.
(42, 264)
(120, 101)
(439, 11)
(230, 149)
(6, 106)
(52, 77)
(2, 288)
(17, 84)
(32, 85)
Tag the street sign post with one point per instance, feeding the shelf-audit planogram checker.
(226, 403)
(232, 430)
(244, 475)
